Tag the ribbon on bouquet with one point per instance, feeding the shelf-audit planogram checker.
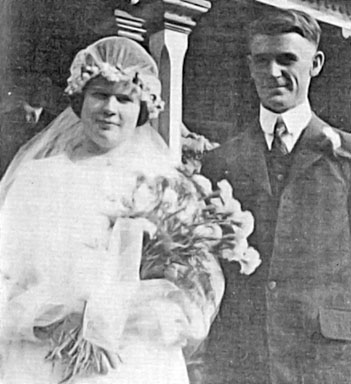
(108, 305)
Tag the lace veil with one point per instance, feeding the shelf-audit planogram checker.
(116, 59)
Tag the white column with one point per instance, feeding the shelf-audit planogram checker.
(168, 24)
(168, 48)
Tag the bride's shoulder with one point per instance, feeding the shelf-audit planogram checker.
(46, 169)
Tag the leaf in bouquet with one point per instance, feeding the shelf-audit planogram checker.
(176, 245)
(77, 354)
(103, 365)
(66, 379)
(76, 361)
(96, 360)
(74, 347)
(152, 269)
(87, 357)
(195, 282)
(110, 358)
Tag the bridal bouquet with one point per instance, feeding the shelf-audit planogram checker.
(194, 147)
(188, 221)
(185, 224)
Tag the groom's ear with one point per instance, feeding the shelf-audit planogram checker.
(317, 63)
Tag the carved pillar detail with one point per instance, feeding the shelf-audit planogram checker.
(168, 48)
(130, 26)
(168, 24)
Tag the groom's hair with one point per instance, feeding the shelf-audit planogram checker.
(280, 21)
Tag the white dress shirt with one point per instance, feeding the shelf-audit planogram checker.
(295, 120)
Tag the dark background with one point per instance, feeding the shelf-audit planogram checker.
(41, 37)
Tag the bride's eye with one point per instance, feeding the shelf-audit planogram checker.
(100, 95)
(124, 99)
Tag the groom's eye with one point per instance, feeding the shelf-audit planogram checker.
(286, 59)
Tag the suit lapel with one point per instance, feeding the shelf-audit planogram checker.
(308, 149)
(252, 157)
(253, 146)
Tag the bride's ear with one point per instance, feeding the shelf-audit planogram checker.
(143, 114)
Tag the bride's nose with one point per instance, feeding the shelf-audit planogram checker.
(111, 105)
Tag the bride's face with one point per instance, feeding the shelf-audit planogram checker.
(110, 112)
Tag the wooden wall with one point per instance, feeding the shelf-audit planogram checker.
(42, 37)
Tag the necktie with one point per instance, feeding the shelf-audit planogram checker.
(278, 146)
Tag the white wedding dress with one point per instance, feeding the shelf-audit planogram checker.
(55, 250)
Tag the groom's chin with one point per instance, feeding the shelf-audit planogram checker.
(278, 104)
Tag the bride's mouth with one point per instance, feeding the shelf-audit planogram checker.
(107, 125)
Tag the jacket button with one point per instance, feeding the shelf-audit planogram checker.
(272, 285)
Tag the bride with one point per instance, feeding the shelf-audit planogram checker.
(70, 261)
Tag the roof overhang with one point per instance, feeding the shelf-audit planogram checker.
(333, 12)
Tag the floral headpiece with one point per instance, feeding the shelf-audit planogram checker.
(118, 59)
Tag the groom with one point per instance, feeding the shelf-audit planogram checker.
(289, 323)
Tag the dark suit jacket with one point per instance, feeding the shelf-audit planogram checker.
(290, 322)
(15, 131)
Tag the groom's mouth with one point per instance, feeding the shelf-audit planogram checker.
(277, 89)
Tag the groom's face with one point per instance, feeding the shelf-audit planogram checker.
(281, 67)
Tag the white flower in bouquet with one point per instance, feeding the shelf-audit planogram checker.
(193, 148)
(212, 231)
(144, 197)
(203, 183)
(170, 199)
(247, 257)
(242, 221)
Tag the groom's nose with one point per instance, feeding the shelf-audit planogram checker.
(274, 69)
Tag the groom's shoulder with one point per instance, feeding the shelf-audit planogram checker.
(234, 144)
(217, 161)
(337, 139)
(227, 148)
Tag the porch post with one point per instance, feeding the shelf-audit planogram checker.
(168, 24)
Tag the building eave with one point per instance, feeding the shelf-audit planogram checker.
(325, 11)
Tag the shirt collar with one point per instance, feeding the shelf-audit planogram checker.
(295, 119)
(34, 113)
